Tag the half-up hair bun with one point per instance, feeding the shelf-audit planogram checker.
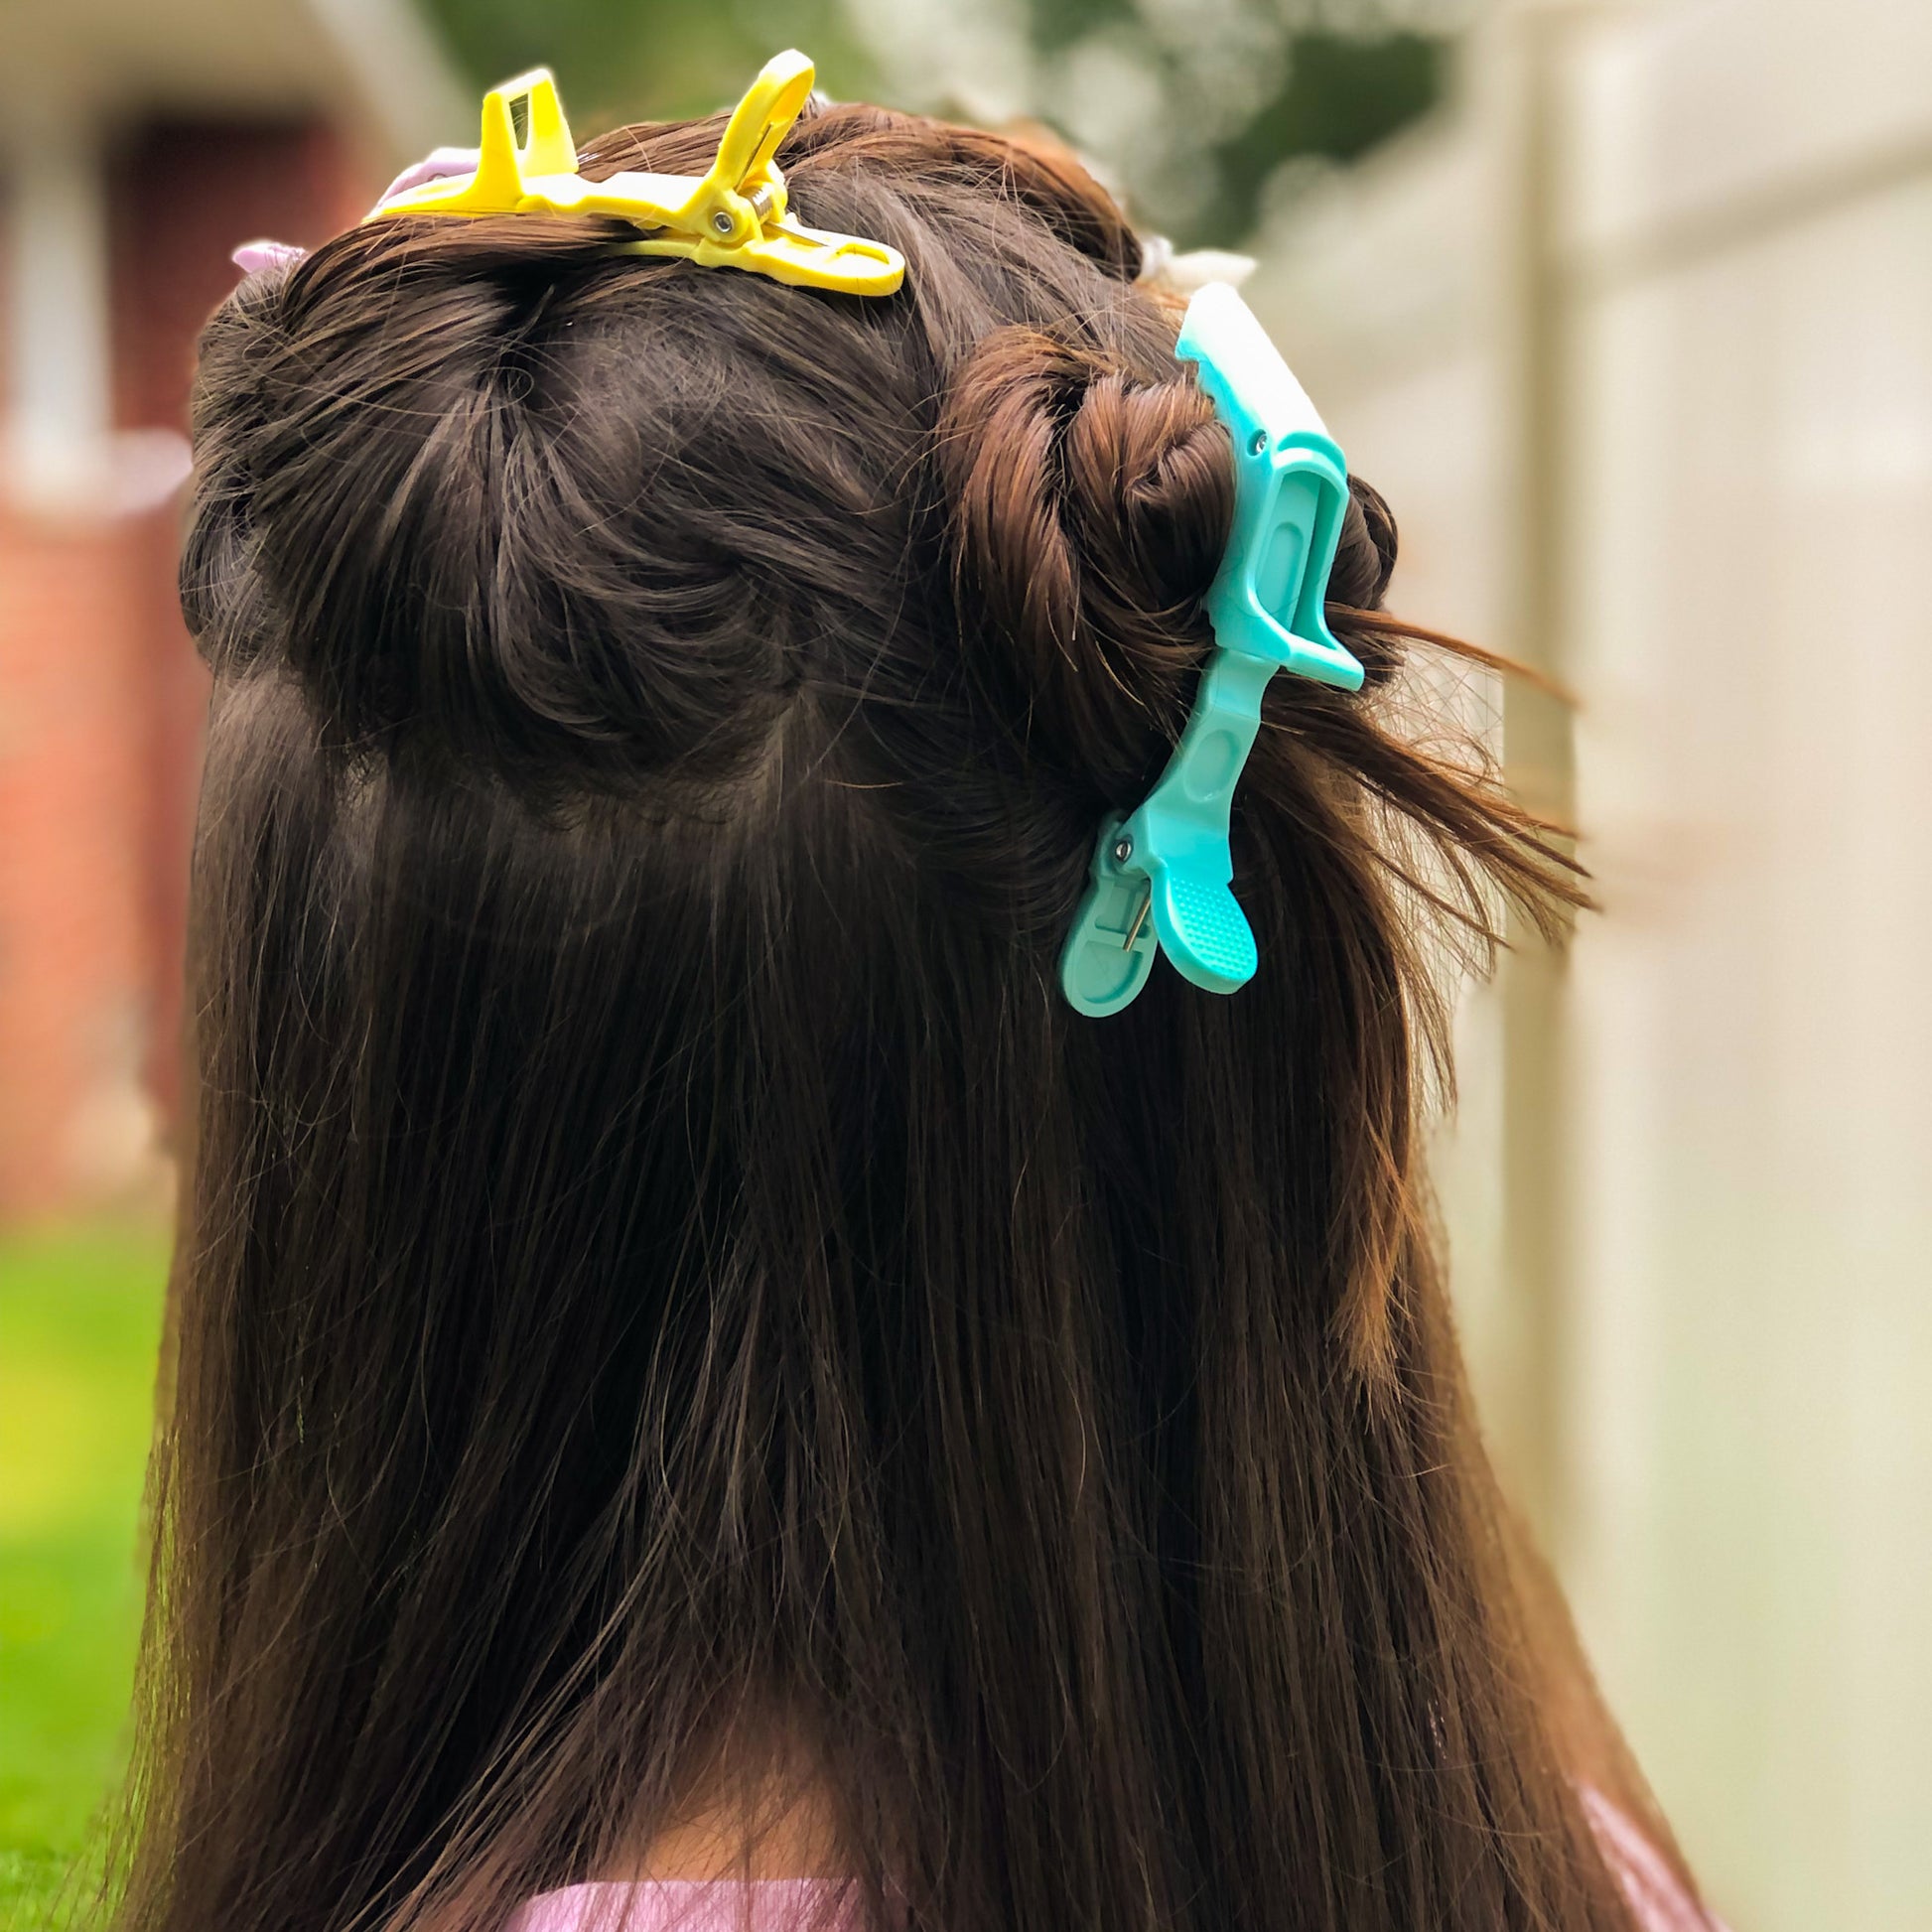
(1091, 506)
(435, 489)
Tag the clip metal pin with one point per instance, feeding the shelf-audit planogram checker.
(1171, 861)
(735, 215)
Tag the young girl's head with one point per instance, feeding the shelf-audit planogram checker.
(670, 1293)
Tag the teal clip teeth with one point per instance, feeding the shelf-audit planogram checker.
(1162, 875)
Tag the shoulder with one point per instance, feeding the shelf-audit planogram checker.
(1658, 1896)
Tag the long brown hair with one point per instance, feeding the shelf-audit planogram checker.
(663, 1261)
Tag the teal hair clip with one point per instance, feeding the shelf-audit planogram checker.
(1163, 874)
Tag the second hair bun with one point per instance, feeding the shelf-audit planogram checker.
(1091, 507)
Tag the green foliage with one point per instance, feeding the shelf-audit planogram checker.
(79, 1326)
(1343, 96)
(1189, 105)
(617, 62)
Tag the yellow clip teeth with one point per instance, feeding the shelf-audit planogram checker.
(734, 216)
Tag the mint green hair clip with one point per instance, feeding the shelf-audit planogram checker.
(1163, 874)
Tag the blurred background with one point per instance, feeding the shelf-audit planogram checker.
(1628, 309)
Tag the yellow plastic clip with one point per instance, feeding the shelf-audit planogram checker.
(734, 216)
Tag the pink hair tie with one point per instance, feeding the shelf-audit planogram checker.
(442, 163)
(254, 256)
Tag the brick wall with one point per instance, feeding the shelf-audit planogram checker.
(75, 968)
(101, 696)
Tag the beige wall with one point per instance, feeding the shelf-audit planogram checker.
(1640, 343)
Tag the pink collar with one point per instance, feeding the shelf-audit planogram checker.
(687, 1906)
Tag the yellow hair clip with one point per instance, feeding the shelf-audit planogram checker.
(734, 216)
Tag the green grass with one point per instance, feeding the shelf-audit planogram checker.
(79, 1325)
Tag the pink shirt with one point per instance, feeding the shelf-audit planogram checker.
(1658, 1900)
(680, 1905)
